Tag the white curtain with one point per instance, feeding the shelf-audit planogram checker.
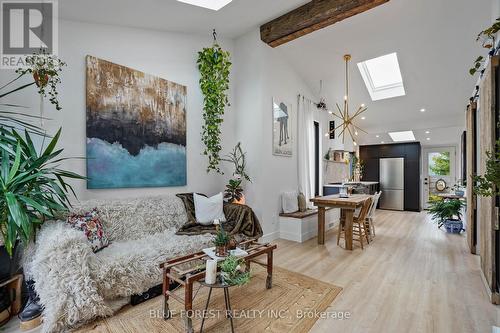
(306, 149)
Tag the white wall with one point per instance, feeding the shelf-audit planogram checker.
(262, 73)
(169, 55)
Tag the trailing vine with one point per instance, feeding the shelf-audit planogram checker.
(214, 65)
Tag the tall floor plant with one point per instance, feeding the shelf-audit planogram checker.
(33, 187)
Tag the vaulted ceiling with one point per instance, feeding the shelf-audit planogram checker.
(435, 43)
(434, 40)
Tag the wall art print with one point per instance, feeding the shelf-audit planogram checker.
(136, 128)
(282, 128)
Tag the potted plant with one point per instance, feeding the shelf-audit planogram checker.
(33, 188)
(448, 213)
(233, 271)
(234, 190)
(221, 240)
(214, 65)
(488, 185)
(458, 188)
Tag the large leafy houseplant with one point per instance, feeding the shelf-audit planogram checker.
(214, 65)
(33, 187)
(446, 210)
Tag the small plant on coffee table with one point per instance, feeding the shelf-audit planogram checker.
(221, 242)
(233, 271)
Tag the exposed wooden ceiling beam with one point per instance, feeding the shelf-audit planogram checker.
(312, 16)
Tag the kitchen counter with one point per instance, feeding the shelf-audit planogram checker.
(351, 183)
(334, 188)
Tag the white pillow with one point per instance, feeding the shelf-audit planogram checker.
(208, 209)
(289, 202)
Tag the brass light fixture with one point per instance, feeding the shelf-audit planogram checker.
(348, 125)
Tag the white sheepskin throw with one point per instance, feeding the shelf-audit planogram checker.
(77, 286)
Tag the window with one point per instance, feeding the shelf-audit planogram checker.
(316, 158)
(402, 136)
(439, 164)
(382, 77)
(209, 4)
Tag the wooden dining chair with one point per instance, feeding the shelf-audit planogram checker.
(371, 214)
(359, 230)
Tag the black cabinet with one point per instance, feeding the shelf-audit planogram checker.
(411, 152)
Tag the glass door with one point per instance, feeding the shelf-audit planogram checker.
(438, 169)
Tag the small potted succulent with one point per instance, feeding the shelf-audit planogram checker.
(448, 213)
(221, 240)
(458, 188)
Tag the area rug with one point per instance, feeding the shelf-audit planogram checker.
(294, 304)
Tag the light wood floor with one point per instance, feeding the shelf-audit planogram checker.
(412, 278)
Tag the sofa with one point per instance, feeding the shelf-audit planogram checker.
(76, 285)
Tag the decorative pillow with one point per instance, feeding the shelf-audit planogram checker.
(209, 209)
(91, 226)
(289, 202)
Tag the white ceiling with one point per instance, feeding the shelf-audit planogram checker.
(434, 39)
(435, 42)
(233, 20)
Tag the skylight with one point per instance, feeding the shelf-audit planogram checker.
(209, 4)
(382, 77)
(402, 136)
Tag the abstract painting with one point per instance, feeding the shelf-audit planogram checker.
(136, 128)
(282, 128)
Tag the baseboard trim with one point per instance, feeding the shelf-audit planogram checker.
(493, 297)
(270, 237)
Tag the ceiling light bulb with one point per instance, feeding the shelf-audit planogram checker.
(362, 105)
(427, 132)
(383, 142)
(422, 110)
(330, 112)
(345, 98)
(363, 118)
(355, 143)
(377, 136)
(428, 139)
(355, 133)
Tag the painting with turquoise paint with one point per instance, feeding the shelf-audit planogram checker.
(136, 128)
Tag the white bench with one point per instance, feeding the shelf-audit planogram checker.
(299, 227)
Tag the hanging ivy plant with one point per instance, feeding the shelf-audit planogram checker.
(214, 65)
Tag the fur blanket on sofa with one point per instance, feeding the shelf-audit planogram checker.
(76, 285)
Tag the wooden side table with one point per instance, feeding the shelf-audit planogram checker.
(14, 284)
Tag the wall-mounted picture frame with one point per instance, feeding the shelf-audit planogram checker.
(283, 134)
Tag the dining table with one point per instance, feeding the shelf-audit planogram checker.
(347, 206)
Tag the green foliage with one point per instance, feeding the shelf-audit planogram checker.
(237, 157)
(487, 37)
(440, 165)
(234, 191)
(214, 66)
(222, 238)
(442, 210)
(45, 69)
(33, 188)
(233, 271)
(488, 185)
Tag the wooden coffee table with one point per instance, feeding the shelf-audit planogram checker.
(176, 270)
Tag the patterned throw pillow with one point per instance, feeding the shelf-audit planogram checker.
(91, 225)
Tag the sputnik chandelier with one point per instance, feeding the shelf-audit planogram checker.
(348, 125)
